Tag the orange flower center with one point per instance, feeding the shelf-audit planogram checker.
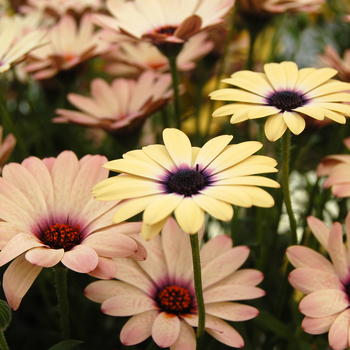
(286, 100)
(174, 300)
(167, 30)
(62, 236)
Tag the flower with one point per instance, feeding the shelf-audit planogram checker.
(187, 180)
(121, 106)
(326, 305)
(144, 56)
(145, 290)
(79, 44)
(160, 21)
(285, 94)
(15, 43)
(337, 168)
(49, 216)
(6, 147)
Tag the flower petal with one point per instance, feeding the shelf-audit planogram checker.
(214, 247)
(276, 75)
(317, 325)
(166, 329)
(81, 258)
(294, 121)
(105, 269)
(339, 332)
(231, 293)
(43, 256)
(231, 311)
(150, 231)
(319, 229)
(186, 339)
(275, 127)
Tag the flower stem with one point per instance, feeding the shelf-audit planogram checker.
(175, 79)
(3, 343)
(285, 181)
(60, 274)
(198, 284)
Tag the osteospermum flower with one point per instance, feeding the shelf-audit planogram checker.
(187, 180)
(121, 106)
(327, 304)
(163, 21)
(285, 94)
(159, 293)
(49, 216)
(79, 44)
(337, 168)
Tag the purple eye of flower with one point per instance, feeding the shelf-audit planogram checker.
(186, 182)
(174, 300)
(168, 30)
(286, 100)
(62, 236)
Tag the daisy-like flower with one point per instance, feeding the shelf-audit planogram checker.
(327, 304)
(159, 293)
(6, 147)
(337, 168)
(79, 44)
(15, 43)
(160, 21)
(49, 216)
(121, 106)
(144, 56)
(285, 94)
(187, 180)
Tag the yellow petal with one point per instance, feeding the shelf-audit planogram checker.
(229, 194)
(150, 231)
(259, 197)
(294, 121)
(336, 97)
(276, 75)
(317, 78)
(219, 209)
(236, 95)
(328, 88)
(303, 74)
(189, 215)
(262, 111)
(291, 71)
(275, 127)
(160, 155)
(336, 107)
(249, 180)
(337, 117)
(313, 111)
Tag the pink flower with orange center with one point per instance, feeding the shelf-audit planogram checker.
(159, 292)
(327, 284)
(49, 216)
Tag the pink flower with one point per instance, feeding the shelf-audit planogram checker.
(49, 216)
(337, 168)
(326, 305)
(159, 292)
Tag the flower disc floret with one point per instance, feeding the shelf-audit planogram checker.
(174, 299)
(60, 236)
(286, 100)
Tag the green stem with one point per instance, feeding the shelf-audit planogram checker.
(198, 285)
(175, 78)
(285, 181)
(3, 343)
(62, 298)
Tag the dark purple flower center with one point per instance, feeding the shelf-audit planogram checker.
(286, 100)
(174, 300)
(167, 30)
(60, 236)
(186, 182)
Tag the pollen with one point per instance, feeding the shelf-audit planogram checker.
(174, 300)
(60, 236)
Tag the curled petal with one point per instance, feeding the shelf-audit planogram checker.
(81, 258)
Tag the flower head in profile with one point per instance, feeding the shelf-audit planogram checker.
(80, 44)
(337, 168)
(187, 180)
(122, 106)
(159, 21)
(327, 305)
(286, 95)
(6, 147)
(159, 293)
(49, 216)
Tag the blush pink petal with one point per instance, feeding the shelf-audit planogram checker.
(184, 270)
(128, 304)
(17, 279)
(105, 269)
(81, 258)
(44, 257)
(186, 339)
(319, 229)
(18, 245)
(231, 292)
(247, 277)
(166, 329)
(231, 311)
(339, 332)
(7, 232)
(342, 190)
(309, 280)
(226, 334)
(219, 268)
(317, 325)
(141, 254)
(110, 244)
(214, 247)
(324, 303)
(138, 328)
(301, 256)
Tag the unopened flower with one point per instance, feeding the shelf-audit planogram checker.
(159, 293)
(326, 306)
(160, 21)
(285, 94)
(188, 181)
(69, 45)
(49, 216)
(121, 106)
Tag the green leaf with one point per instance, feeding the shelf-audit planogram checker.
(66, 345)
